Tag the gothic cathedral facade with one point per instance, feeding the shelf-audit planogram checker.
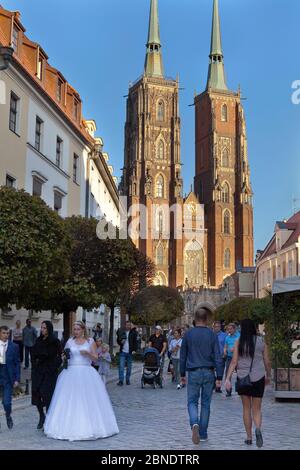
(152, 173)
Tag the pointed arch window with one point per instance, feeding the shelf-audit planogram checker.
(227, 258)
(160, 150)
(225, 158)
(160, 186)
(160, 111)
(226, 222)
(160, 222)
(224, 113)
(225, 193)
(160, 254)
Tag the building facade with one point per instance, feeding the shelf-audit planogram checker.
(46, 146)
(281, 257)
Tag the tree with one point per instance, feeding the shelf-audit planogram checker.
(118, 268)
(34, 250)
(156, 304)
(81, 288)
(258, 310)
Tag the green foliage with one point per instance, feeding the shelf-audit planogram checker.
(34, 250)
(156, 304)
(259, 310)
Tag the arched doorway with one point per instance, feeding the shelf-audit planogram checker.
(194, 264)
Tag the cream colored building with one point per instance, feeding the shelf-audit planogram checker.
(281, 257)
(46, 146)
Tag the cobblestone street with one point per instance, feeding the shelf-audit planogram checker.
(157, 420)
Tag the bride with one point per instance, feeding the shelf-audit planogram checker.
(80, 408)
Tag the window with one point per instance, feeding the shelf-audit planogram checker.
(160, 222)
(59, 89)
(92, 210)
(226, 222)
(201, 191)
(227, 259)
(37, 187)
(10, 181)
(263, 279)
(15, 40)
(160, 150)
(202, 157)
(75, 168)
(160, 186)
(269, 276)
(40, 68)
(160, 111)
(225, 193)
(13, 112)
(160, 255)
(224, 113)
(284, 269)
(290, 268)
(38, 133)
(225, 158)
(279, 272)
(59, 144)
(57, 202)
(76, 110)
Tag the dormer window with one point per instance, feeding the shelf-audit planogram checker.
(59, 90)
(39, 73)
(75, 109)
(15, 39)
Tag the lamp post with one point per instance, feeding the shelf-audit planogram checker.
(6, 54)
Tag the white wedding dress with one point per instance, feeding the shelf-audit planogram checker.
(80, 408)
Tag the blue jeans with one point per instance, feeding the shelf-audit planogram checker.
(7, 387)
(125, 358)
(200, 381)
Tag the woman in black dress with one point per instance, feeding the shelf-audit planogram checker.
(46, 359)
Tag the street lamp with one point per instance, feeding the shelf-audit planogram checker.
(6, 54)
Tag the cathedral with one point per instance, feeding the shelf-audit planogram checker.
(217, 239)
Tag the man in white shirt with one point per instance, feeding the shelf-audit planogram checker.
(127, 340)
(9, 371)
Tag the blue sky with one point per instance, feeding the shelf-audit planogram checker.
(99, 46)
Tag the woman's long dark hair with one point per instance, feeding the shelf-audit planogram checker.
(51, 336)
(246, 341)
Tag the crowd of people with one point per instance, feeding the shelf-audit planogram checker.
(200, 358)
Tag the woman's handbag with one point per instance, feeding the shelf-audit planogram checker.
(244, 385)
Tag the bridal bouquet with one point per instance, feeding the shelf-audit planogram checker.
(66, 357)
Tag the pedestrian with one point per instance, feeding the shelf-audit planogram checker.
(231, 338)
(17, 338)
(127, 340)
(200, 357)
(29, 338)
(251, 359)
(46, 360)
(9, 371)
(221, 335)
(99, 343)
(104, 362)
(80, 408)
(159, 341)
(98, 331)
(174, 349)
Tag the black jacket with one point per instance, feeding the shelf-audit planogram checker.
(132, 339)
(46, 359)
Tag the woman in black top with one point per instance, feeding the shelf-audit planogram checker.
(46, 359)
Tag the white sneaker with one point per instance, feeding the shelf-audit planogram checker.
(195, 434)
(178, 387)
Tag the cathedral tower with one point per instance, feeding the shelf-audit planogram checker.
(152, 168)
(222, 174)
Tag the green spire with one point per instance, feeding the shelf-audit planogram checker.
(216, 74)
(153, 62)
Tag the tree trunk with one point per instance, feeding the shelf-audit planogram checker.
(111, 329)
(68, 320)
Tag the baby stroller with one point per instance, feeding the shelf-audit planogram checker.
(152, 373)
